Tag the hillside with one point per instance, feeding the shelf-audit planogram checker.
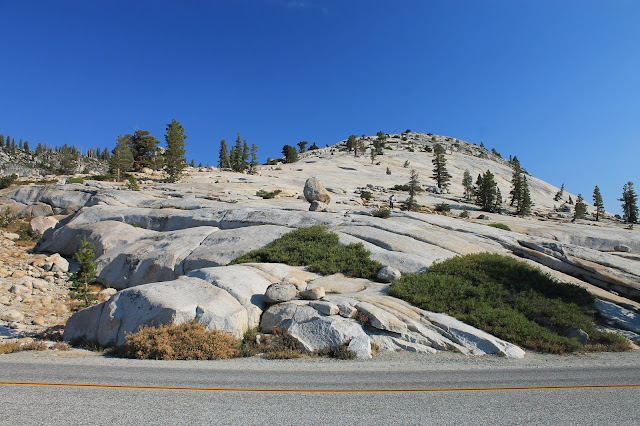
(167, 247)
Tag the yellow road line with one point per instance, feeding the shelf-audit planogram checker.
(276, 390)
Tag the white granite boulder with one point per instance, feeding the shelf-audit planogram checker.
(314, 190)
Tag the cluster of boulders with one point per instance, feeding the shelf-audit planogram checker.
(33, 289)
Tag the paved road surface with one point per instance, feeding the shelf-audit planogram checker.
(436, 391)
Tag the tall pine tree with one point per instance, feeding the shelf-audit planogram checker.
(629, 203)
(223, 159)
(597, 202)
(440, 173)
(174, 159)
(524, 202)
(516, 182)
(467, 184)
(253, 165)
(580, 209)
(122, 158)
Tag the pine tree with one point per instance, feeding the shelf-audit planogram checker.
(302, 145)
(597, 202)
(486, 191)
(524, 203)
(516, 182)
(440, 173)
(580, 209)
(144, 149)
(122, 158)
(244, 158)
(1, 141)
(253, 166)
(351, 142)
(411, 203)
(223, 158)
(559, 194)
(25, 147)
(373, 154)
(381, 141)
(85, 274)
(174, 159)
(570, 200)
(236, 155)
(313, 147)
(467, 183)
(629, 203)
(497, 206)
(290, 154)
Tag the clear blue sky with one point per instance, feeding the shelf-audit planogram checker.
(556, 83)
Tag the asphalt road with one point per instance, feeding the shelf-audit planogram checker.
(427, 390)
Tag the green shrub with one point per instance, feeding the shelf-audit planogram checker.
(509, 299)
(443, 207)
(383, 213)
(366, 195)
(317, 249)
(132, 183)
(428, 149)
(75, 180)
(500, 226)
(464, 214)
(388, 171)
(268, 194)
(186, 341)
(7, 181)
(400, 187)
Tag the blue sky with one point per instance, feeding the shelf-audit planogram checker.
(556, 83)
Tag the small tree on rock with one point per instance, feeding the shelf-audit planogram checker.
(414, 184)
(122, 158)
(559, 194)
(85, 275)
(174, 159)
(302, 145)
(580, 209)
(290, 154)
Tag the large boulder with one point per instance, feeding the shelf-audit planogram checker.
(314, 190)
(38, 225)
(280, 292)
(156, 304)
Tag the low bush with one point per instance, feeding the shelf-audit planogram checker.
(383, 213)
(366, 195)
(75, 180)
(186, 341)
(443, 207)
(500, 226)
(509, 299)
(267, 194)
(317, 249)
(401, 187)
(464, 214)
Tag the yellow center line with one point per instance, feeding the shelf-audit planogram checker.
(285, 390)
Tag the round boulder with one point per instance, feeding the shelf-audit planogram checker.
(388, 274)
(280, 292)
(314, 190)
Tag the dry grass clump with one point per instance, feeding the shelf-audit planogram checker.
(12, 347)
(339, 352)
(281, 345)
(186, 341)
(61, 346)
